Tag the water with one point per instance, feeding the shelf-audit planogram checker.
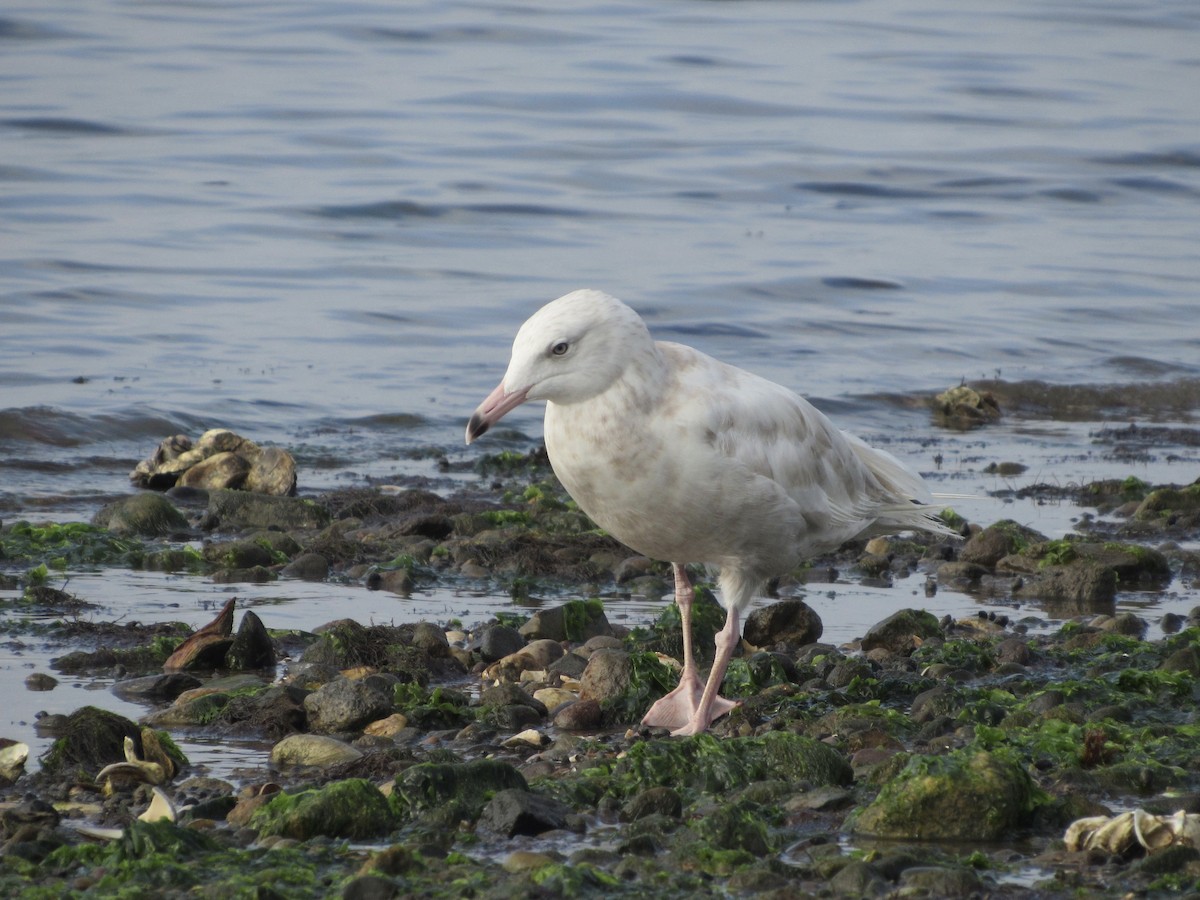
(321, 223)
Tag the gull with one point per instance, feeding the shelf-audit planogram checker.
(688, 460)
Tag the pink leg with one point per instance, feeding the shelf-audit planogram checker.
(712, 705)
(678, 709)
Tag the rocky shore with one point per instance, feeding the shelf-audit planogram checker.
(934, 758)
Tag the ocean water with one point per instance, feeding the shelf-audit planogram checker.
(321, 224)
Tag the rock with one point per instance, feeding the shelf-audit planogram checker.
(353, 809)
(40, 681)
(145, 515)
(464, 787)
(388, 727)
(582, 715)
(498, 641)
(370, 887)
(164, 687)
(511, 695)
(513, 811)
(664, 801)
(937, 881)
(252, 647)
(963, 408)
(997, 541)
(1082, 587)
(902, 632)
(553, 698)
(570, 665)
(787, 622)
(92, 738)
(240, 510)
(307, 567)
(607, 677)
(219, 471)
(345, 705)
(273, 471)
(526, 861)
(220, 459)
(431, 639)
(395, 581)
(312, 750)
(576, 621)
(859, 879)
(960, 796)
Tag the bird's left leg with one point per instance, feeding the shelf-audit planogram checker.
(712, 705)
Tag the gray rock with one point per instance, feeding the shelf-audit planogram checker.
(148, 515)
(569, 664)
(243, 510)
(512, 812)
(902, 632)
(576, 620)
(156, 687)
(252, 647)
(345, 705)
(499, 641)
(607, 676)
(430, 638)
(582, 715)
(370, 887)
(786, 622)
(936, 881)
(272, 471)
(308, 567)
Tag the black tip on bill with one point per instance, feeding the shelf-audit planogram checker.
(476, 428)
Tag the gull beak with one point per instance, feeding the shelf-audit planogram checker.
(497, 405)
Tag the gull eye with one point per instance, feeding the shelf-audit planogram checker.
(560, 349)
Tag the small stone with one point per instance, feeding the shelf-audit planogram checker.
(312, 750)
(526, 861)
(499, 641)
(788, 621)
(388, 727)
(607, 676)
(307, 567)
(513, 811)
(40, 681)
(582, 715)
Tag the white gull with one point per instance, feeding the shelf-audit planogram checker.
(689, 460)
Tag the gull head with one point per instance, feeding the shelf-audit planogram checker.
(569, 351)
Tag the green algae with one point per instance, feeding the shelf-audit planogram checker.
(65, 544)
(962, 795)
(353, 809)
(702, 763)
(432, 709)
(457, 790)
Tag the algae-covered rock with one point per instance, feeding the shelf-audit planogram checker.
(353, 809)
(997, 541)
(252, 647)
(148, 515)
(234, 510)
(703, 763)
(961, 796)
(464, 787)
(576, 620)
(902, 632)
(91, 739)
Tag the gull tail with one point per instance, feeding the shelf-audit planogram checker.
(912, 505)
